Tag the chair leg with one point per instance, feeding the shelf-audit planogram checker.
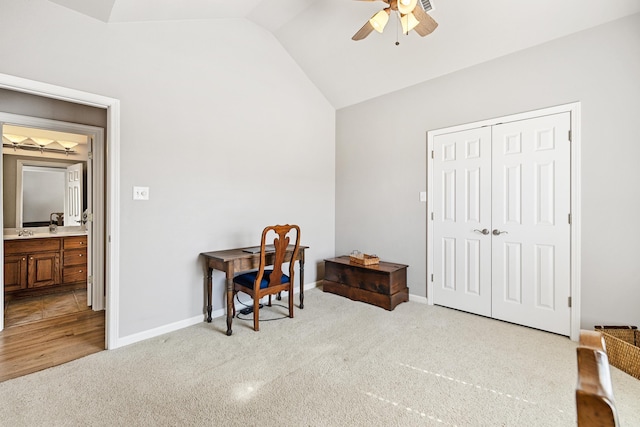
(256, 313)
(269, 300)
(234, 305)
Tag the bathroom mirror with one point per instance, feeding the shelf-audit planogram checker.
(37, 192)
(42, 196)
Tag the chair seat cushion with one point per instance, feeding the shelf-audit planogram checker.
(248, 279)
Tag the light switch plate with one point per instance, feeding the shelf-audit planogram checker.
(423, 196)
(140, 193)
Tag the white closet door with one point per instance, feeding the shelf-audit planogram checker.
(462, 209)
(531, 205)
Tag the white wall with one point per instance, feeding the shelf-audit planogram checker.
(216, 119)
(381, 156)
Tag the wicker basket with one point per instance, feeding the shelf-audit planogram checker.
(364, 259)
(623, 347)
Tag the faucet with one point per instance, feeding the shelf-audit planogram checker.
(25, 232)
(59, 220)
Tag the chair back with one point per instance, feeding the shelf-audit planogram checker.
(281, 235)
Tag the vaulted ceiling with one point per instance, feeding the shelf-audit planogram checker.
(317, 34)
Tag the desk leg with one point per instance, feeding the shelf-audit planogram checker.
(302, 280)
(229, 303)
(209, 286)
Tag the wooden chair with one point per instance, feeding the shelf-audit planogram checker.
(594, 393)
(271, 281)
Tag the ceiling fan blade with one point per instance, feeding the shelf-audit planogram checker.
(427, 24)
(363, 32)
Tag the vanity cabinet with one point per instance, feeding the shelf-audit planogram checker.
(43, 263)
(31, 263)
(74, 259)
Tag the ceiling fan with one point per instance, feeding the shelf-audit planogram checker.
(413, 16)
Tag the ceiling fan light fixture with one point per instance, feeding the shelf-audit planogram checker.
(409, 22)
(406, 6)
(379, 20)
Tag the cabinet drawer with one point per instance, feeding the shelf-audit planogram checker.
(75, 257)
(12, 247)
(76, 273)
(75, 242)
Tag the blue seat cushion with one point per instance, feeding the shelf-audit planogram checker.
(248, 279)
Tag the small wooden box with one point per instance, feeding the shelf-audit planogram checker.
(383, 284)
(364, 259)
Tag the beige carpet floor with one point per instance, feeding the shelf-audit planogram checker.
(337, 363)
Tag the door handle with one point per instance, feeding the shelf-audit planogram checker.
(483, 231)
(497, 232)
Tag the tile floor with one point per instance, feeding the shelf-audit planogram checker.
(29, 310)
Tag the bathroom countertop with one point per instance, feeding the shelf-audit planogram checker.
(40, 234)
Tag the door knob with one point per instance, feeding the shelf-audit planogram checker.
(483, 231)
(497, 232)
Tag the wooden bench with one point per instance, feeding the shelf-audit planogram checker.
(594, 393)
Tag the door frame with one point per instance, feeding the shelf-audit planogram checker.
(95, 186)
(112, 188)
(574, 110)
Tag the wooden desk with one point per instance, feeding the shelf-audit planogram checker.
(235, 261)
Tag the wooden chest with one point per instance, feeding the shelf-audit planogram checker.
(384, 284)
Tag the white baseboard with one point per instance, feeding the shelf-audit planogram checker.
(152, 333)
(418, 298)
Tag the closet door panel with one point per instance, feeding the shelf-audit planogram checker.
(462, 209)
(531, 206)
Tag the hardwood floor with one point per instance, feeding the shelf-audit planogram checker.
(48, 331)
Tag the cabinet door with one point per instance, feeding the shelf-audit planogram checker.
(15, 272)
(44, 269)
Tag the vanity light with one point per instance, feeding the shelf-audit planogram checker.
(67, 144)
(40, 144)
(16, 140)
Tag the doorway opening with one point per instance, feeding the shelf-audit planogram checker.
(110, 202)
(53, 217)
